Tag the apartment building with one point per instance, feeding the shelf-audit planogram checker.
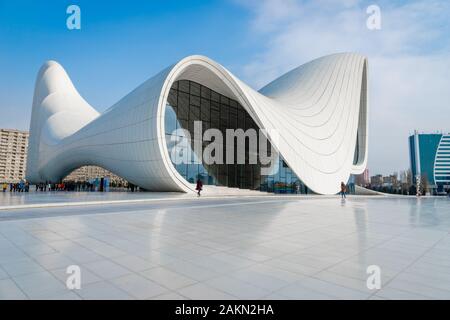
(87, 173)
(13, 155)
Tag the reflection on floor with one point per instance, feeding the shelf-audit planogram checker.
(52, 198)
(253, 248)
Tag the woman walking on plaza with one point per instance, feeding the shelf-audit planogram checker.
(343, 190)
(199, 186)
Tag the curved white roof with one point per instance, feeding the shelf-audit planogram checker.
(319, 111)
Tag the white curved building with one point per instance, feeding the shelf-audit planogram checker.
(318, 111)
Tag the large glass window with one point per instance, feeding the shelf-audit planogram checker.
(188, 102)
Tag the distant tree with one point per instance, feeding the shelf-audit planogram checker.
(424, 184)
(409, 177)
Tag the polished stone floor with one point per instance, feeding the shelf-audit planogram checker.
(232, 248)
(62, 198)
(55, 197)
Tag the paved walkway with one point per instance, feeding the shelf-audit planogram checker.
(248, 248)
(61, 198)
(49, 199)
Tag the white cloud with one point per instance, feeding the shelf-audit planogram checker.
(409, 61)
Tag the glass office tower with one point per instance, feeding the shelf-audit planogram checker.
(430, 158)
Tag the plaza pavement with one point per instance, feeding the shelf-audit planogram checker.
(229, 248)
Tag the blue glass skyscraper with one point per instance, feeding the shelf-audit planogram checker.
(430, 158)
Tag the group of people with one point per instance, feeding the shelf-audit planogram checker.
(65, 186)
(21, 186)
(43, 187)
(80, 186)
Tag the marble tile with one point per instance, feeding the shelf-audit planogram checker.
(231, 248)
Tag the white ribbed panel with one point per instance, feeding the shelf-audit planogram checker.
(442, 161)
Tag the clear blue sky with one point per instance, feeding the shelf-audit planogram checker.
(120, 44)
(123, 43)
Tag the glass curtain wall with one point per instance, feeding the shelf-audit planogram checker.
(189, 101)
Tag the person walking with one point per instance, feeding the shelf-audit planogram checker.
(4, 187)
(199, 186)
(343, 190)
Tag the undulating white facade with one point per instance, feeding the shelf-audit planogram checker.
(319, 111)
